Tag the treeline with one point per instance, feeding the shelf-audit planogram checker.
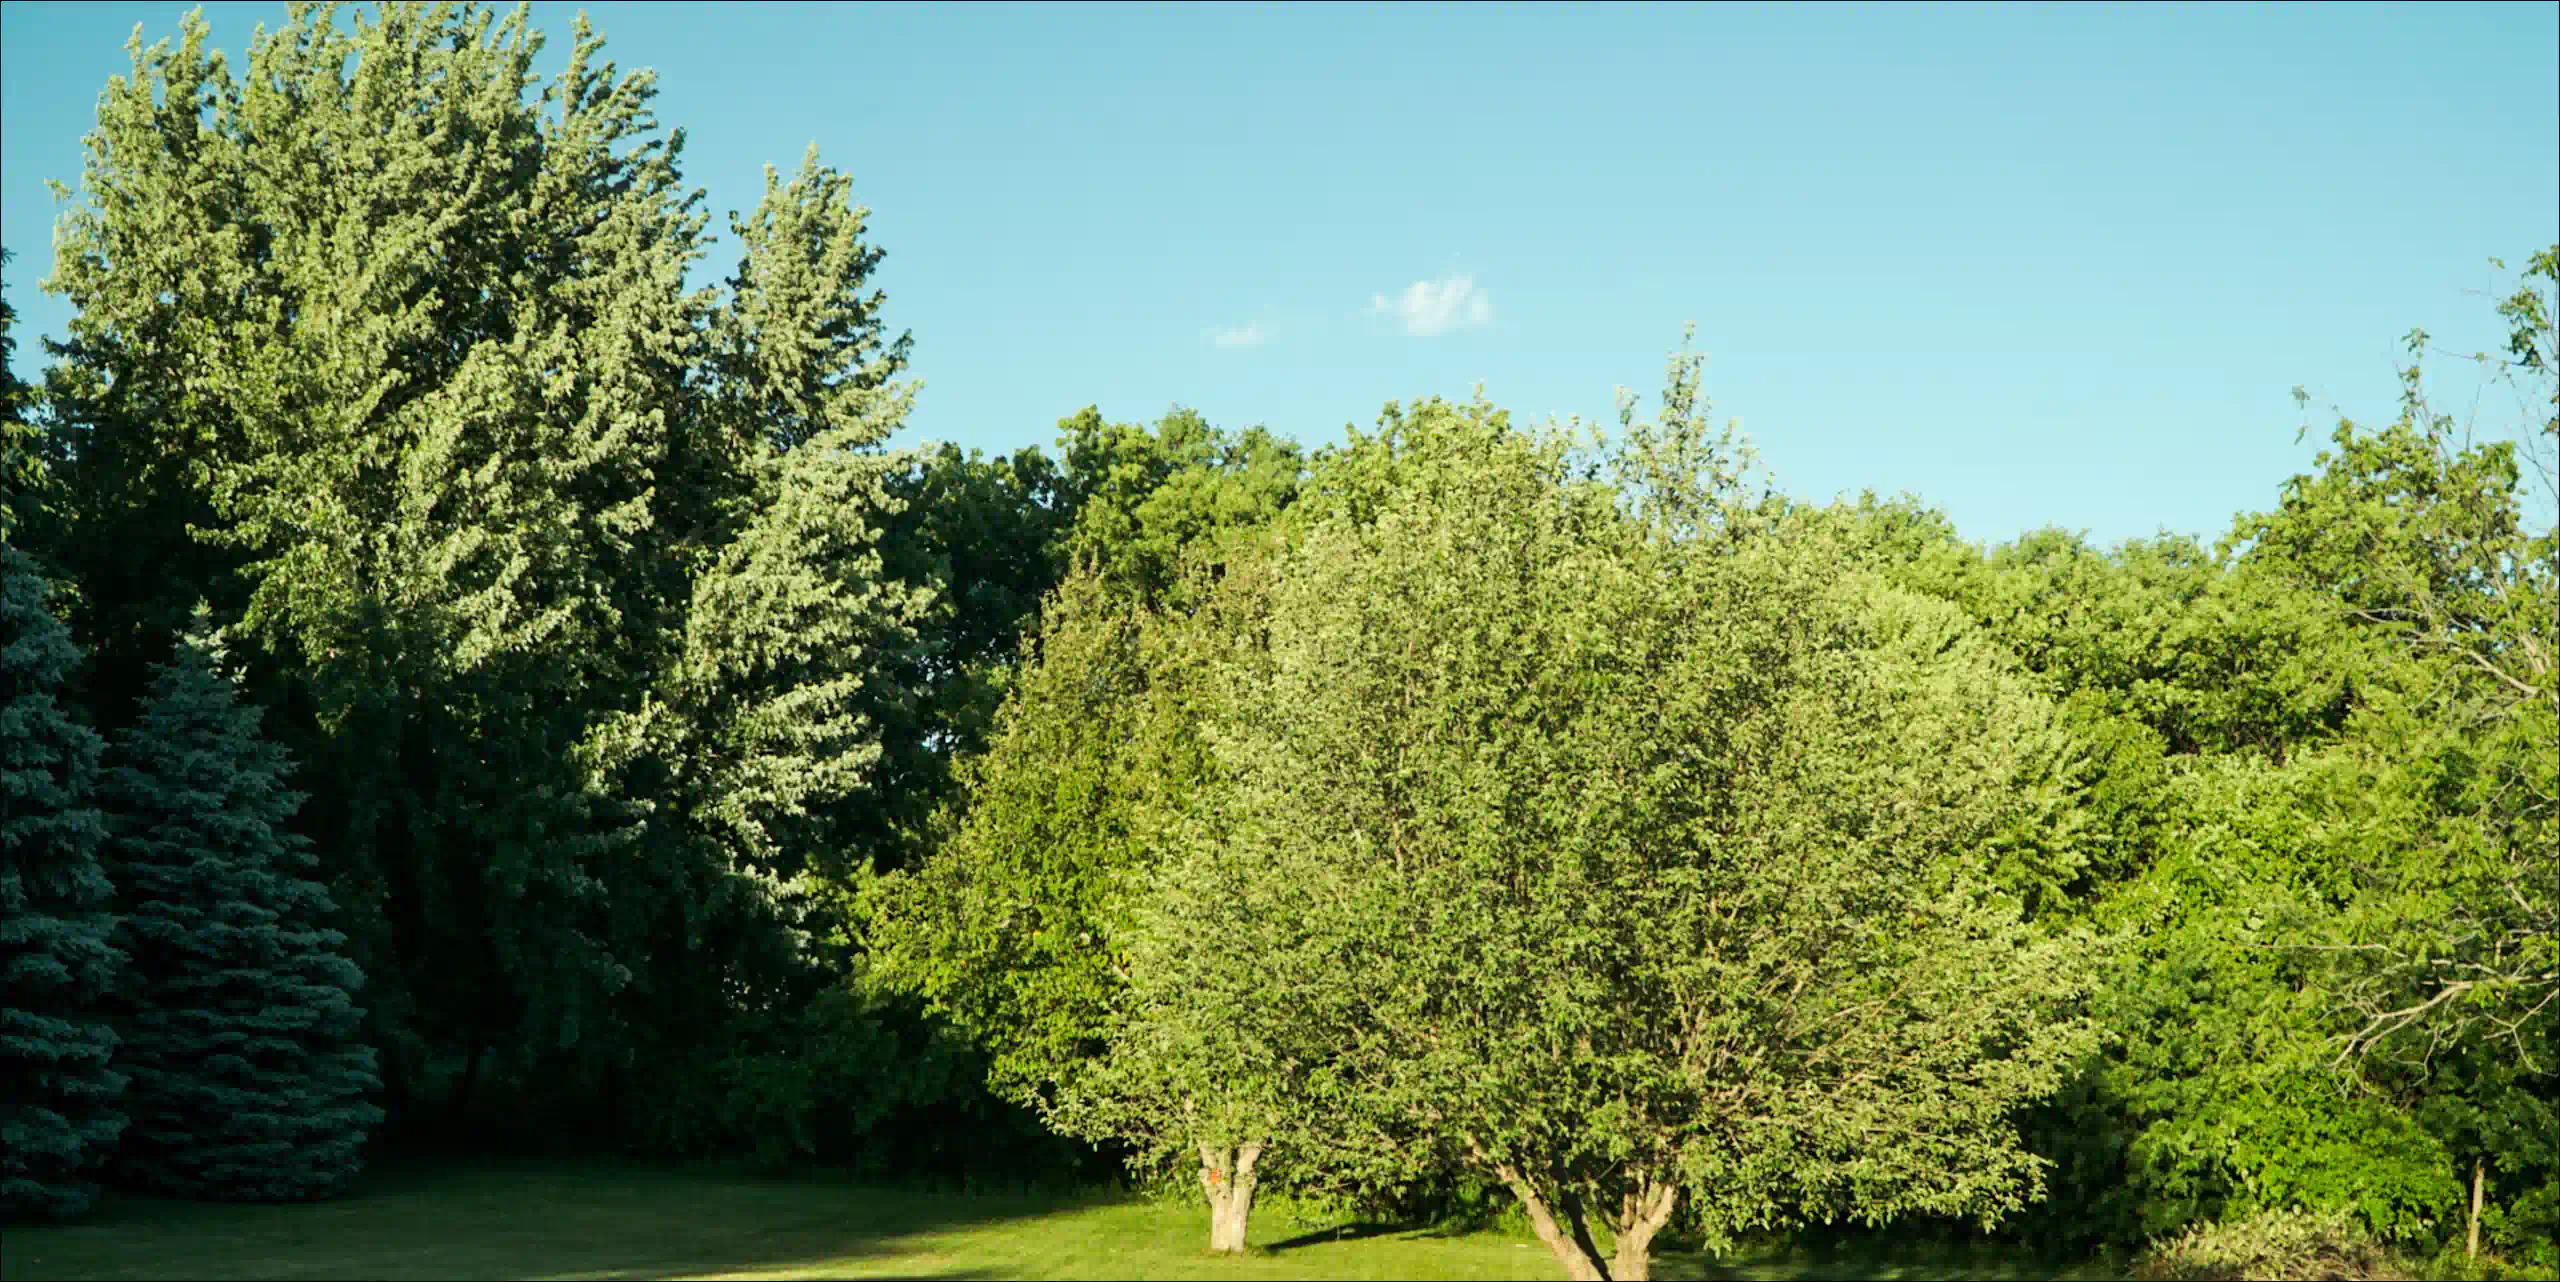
(461, 678)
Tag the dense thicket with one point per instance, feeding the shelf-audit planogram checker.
(1462, 805)
(246, 1077)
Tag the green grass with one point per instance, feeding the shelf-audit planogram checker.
(561, 1220)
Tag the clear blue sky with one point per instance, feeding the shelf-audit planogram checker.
(2037, 265)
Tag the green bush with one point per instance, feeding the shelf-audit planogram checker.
(2271, 1246)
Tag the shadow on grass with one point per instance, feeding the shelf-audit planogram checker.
(1349, 1233)
(1886, 1260)
(528, 1218)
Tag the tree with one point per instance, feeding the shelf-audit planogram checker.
(984, 537)
(1189, 1051)
(24, 474)
(450, 323)
(2335, 991)
(60, 1120)
(473, 460)
(1012, 928)
(1020, 927)
(249, 1078)
(2440, 969)
(1619, 853)
(1146, 502)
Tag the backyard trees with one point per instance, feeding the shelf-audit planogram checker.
(1622, 858)
(1019, 928)
(56, 956)
(2440, 805)
(384, 349)
(2414, 534)
(249, 1080)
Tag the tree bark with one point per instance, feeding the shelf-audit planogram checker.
(1579, 1265)
(1646, 1210)
(2471, 1242)
(1577, 1221)
(1227, 1177)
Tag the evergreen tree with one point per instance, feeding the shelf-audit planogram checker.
(57, 1090)
(248, 1080)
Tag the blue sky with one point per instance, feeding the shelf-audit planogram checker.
(2038, 265)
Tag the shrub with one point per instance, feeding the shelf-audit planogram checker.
(2271, 1246)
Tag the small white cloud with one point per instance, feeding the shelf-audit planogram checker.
(1428, 307)
(1249, 335)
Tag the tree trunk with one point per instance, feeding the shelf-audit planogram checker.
(1646, 1210)
(1580, 1265)
(1226, 1175)
(469, 1087)
(1577, 1222)
(2472, 1242)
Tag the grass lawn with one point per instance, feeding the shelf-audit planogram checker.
(561, 1220)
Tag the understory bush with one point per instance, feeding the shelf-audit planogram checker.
(2270, 1246)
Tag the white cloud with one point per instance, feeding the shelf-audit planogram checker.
(1250, 335)
(1428, 307)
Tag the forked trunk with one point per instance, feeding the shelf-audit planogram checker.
(1580, 1264)
(1226, 1175)
(1643, 1214)
(1640, 1215)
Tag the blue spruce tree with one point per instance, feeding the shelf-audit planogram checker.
(58, 1118)
(249, 1081)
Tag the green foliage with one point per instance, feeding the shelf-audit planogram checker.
(2277, 1246)
(2335, 991)
(56, 953)
(1003, 930)
(1012, 929)
(1592, 853)
(800, 349)
(987, 537)
(2158, 633)
(425, 472)
(25, 474)
(1149, 503)
(1457, 807)
(2222, 1061)
(561, 579)
(248, 1078)
(768, 698)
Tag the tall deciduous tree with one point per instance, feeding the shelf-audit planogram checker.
(402, 339)
(60, 1120)
(383, 347)
(23, 474)
(2441, 805)
(249, 1078)
(987, 536)
(1019, 928)
(1014, 927)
